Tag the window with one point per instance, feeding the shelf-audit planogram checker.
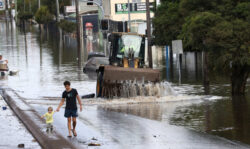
(132, 42)
(90, 2)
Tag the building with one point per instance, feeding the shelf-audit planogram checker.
(117, 10)
(116, 13)
(2, 4)
(89, 25)
(83, 8)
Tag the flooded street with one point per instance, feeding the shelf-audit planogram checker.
(42, 67)
(186, 118)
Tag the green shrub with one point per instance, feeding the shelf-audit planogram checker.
(2, 12)
(25, 15)
(43, 15)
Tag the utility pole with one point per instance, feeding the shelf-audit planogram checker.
(29, 6)
(129, 19)
(16, 10)
(24, 5)
(149, 34)
(57, 11)
(206, 81)
(78, 25)
(39, 4)
(6, 9)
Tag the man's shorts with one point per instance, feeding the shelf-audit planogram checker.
(70, 113)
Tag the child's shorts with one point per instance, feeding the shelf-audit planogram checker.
(49, 126)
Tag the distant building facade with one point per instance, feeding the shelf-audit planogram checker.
(2, 4)
(117, 10)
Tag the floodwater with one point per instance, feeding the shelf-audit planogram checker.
(186, 118)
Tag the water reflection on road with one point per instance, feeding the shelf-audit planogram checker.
(44, 63)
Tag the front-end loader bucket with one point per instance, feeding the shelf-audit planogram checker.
(112, 73)
(113, 80)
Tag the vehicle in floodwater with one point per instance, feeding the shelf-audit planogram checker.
(3, 68)
(95, 54)
(126, 66)
(93, 64)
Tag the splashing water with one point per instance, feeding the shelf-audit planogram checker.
(130, 88)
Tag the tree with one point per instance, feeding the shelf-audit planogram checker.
(67, 26)
(196, 31)
(167, 22)
(43, 15)
(51, 4)
(24, 15)
(239, 55)
(26, 5)
(220, 27)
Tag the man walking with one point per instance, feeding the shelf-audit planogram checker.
(70, 94)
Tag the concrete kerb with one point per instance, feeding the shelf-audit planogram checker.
(34, 124)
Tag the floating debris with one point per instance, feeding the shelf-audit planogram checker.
(94, 144)
(81, 141)
(20, 146)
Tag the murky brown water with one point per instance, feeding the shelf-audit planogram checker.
(43, 65)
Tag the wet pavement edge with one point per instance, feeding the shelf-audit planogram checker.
(34, 124)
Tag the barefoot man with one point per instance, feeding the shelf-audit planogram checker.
(70, 94)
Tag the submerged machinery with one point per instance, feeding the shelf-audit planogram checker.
(126, 69)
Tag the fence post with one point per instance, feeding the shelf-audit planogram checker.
(167, 65)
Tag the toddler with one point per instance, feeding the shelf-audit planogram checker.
(49, 119)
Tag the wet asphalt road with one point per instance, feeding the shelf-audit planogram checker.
(114, 129)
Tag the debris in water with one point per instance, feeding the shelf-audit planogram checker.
(20, 146)
(4, 108)
(155, 136)
(81, 141)
(88, 96)
(94, 144)
(13, 72)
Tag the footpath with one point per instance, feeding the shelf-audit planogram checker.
(34, 124)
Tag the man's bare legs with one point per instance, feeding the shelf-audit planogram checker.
(74, 126)
(69, 126)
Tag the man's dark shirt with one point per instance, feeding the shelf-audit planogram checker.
(70, 99)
